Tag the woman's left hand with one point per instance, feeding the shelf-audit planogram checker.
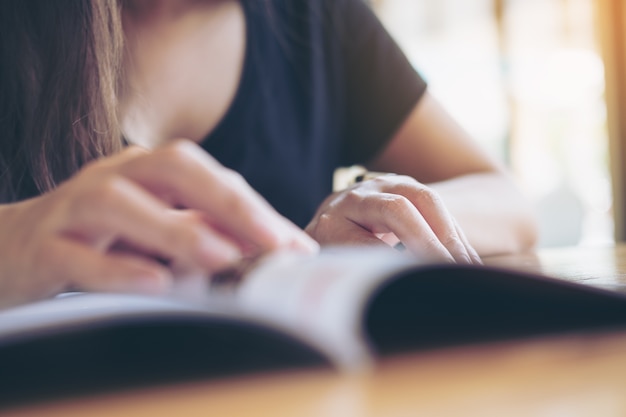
(390, 209)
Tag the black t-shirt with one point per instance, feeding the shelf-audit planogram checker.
(323, 85)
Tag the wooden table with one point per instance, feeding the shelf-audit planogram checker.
(599, 266)
(577, 375)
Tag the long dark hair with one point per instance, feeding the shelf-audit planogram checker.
(60, 63)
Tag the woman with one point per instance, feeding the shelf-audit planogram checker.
(280, 91)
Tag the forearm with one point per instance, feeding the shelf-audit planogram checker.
(491, 211)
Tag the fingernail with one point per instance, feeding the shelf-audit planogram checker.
(151, 282)
(307, 244)
(450, 260)
(298, 239)
(465, 259)
(213, 247)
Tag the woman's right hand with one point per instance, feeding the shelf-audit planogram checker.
(175, 203)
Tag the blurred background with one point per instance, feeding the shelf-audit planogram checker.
(527, 79)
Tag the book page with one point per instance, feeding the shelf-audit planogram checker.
(77, 308)
(317, 299)
(321, 297)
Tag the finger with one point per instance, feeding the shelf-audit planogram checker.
(121, 209)
(195, 180)
(89, 270)
(329, 231)
(437, 216)
(128, 154)
(300, 241)
(111, 164)
(470, 249)
(381, 213)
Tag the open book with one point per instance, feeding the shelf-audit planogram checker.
(343, 308)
